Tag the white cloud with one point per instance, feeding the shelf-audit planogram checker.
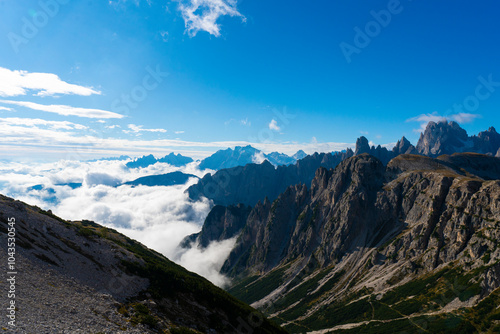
(97, 178)
(65, 110)
(179, 132)
(114, 126)
(209, 261)
(15, 83)
(274, 125)
(464, 118)
(202, 15)
(424, 119)
(434, 117)
(34, 122)
(139, 128)
(258, 157)
(5, 108)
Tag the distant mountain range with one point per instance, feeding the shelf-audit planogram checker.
(255, 182)
(438, 138)
(120, 158)
(148, 160)
(241, 156)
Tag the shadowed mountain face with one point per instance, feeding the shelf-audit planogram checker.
(80, 275)
(255, 182)
(403, 146)
(412, 244)
(168, 179)
(221, 223)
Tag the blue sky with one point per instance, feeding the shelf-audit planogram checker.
(193, 76)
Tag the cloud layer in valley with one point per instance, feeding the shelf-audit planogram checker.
(160, 217)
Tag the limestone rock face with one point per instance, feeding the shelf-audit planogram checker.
(361, 201)
(363, 229)
(448, 138)
(487, 142)
(443, 138)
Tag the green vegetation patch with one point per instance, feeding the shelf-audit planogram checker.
(143, 316)
(309, 298)
(421, 295)
(240, 289)
(338, 314)
(254, 288)
(434, 291)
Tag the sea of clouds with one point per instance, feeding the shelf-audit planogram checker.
(160, 217)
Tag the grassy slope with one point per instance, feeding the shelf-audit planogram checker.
(167, 279)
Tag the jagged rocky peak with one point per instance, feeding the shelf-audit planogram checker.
(403, 146)
(448, 138)
(442, 138)
(299, 155)
(362, 146)
(381, 153)
(320, 181)
(487, 142)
